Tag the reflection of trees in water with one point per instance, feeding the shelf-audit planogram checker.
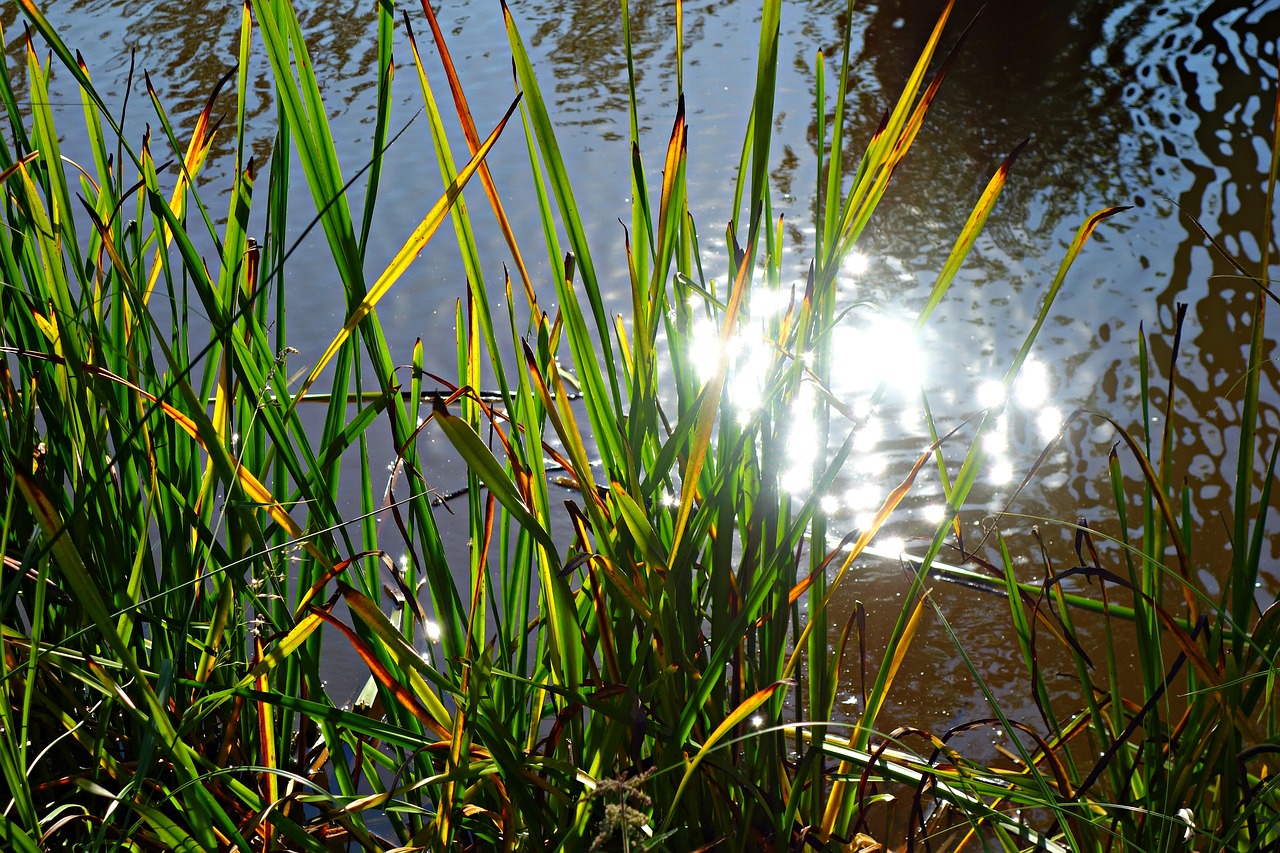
(339, 35)
(1027, 69)
(1224, 60)
(589, 60)
(187, 47)
(1123, 101)
(9, 19)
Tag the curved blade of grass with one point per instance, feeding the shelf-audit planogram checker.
(967, 475)
(267, 755)
(18, 164)
(217, 628)
(624, 586)
(463, 108)
(558, 175)
(1073, 251)
(746, 709)
(59, 47)
(703, 415)
(386, 74)
(890, 144)
(300, 103)
(555, 401)
(202, 136)
(350, 721)
(401, 693)
(167, 830)
(481, 461)
(15, 838)
(761, 123)
(286, 646)
(486, 466)
(875, 700)
(671, 213)
(887, 508)
(912, 770)
(402, 654)
(1245, 572)
(45, 139)
(478, 302)
(408, 252)
(254, 490)
(1167, 513)
(52, 270)
(651, 547)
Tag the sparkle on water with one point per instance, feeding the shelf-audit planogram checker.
(874, 350)
(856, 264)
(934, 513)
(870, 349)
(991, 394)
(892, 544)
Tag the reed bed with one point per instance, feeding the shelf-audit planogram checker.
(648, 667)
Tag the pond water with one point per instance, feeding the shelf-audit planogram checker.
(1165, 106)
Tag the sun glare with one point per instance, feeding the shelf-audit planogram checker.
(871, 434)
(802, 443)
(894, 545)
(934, 513)
(863, 496)
(704, 348)
(991, 394)
(856, 264)
(868, 350)
(1048, 422)
(886, 349)
(1032, 388)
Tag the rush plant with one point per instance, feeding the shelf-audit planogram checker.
(648, 667)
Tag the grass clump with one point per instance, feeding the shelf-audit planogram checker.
(649, 670)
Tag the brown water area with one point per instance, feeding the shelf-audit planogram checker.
(1164, 106)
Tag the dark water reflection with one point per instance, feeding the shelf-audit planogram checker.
(1125, 102)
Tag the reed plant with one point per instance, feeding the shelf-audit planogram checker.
(648, 667)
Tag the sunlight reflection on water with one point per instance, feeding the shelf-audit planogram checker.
(877, 356)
